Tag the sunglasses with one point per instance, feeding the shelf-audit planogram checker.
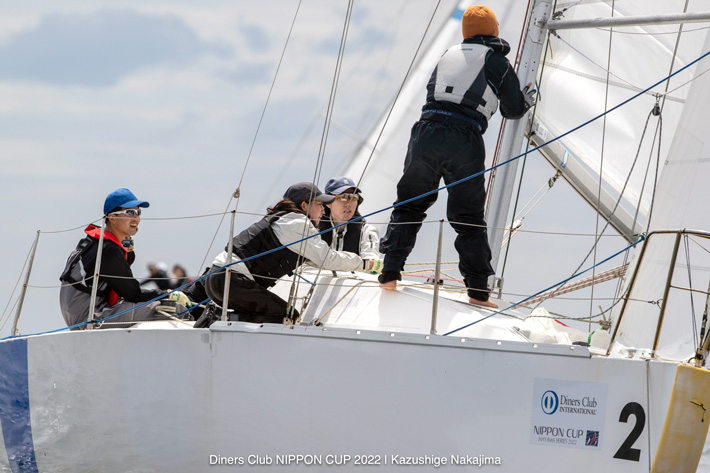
(128, 212)
(348, 197)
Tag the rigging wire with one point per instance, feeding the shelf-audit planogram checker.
(544, 189)
(655, 34)
(655, 111)
(296, 283)
(642, 238)
(5, 312)
(364, 58)
(613, 210)
(701, 246)
(328, 115)
(399, 91)
(333, 93)
(516, 304)
(659, 133)
(690, 293)
(522, 171)
(604, 69)
(268, 97)
(601, 156)
(80, 227)
(256, 134)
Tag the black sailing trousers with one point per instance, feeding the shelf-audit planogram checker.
(451, 149)
(248, 299)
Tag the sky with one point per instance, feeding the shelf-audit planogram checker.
(166, 97)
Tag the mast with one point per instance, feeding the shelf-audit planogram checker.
(501, 189)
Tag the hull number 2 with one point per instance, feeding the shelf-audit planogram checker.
(625, 452)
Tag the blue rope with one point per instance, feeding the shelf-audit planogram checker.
(193, 307)
(391, 207)
(309, 282)
(551, 287)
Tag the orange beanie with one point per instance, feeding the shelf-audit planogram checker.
(478, 19)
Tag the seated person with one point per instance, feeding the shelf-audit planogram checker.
(357, 237)
(118, 290)
(293, 218)
(180, 277)
(158, 276)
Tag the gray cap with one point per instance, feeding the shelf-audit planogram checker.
(305, 192)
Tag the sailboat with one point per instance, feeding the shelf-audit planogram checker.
(418, 377)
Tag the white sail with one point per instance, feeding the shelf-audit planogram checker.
(681, 199)
(380, 176)
(367, 374)
(575, 87)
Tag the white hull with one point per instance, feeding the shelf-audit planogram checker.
(165, 400)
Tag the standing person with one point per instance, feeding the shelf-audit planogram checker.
(462, 95)
(118, 290)
(293, 218)
(358, 237)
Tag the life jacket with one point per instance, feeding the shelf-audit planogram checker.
(351, 234)
(82, 261)
(460, 77)
(257, 239)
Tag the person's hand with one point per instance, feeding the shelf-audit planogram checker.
(181, 298)
(530, 95)
(373, 266)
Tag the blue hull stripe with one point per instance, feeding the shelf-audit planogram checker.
(15, 406)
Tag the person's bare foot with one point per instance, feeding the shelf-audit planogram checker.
(390, 285)
(388, 279)
(473, 301)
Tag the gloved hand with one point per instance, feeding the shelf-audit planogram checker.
(181, 298)
(373, 266)
(530, 95)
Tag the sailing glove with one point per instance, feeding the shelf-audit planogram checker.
(372, 266)
(529, 95)
(181, 298)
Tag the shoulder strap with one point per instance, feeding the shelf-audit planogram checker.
(74, 258)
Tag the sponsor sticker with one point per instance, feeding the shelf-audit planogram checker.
(568, 413)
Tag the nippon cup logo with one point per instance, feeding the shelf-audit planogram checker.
(550, 402)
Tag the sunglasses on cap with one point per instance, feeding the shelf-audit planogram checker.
(348, 197)
(128, 212)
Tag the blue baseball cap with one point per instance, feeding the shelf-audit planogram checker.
(338, 185)
(122, 198)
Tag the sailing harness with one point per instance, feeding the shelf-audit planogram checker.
(427, 114)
